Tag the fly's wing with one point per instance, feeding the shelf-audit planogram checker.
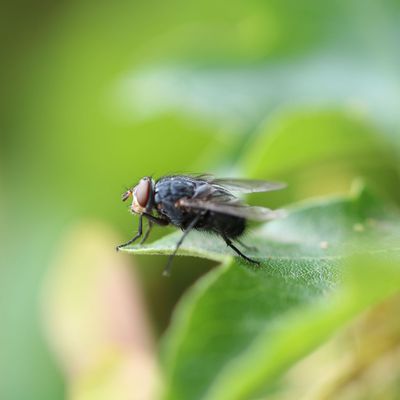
(247, 185)
(233, 208)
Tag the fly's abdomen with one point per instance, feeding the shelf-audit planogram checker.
(226, 225)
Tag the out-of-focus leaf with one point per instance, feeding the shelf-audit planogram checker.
(96, 322)
(238, 98)
(323, 151)
(360, 362)
(236, 329)
(343, 65)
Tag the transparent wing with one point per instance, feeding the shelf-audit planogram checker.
(236, 209)
(247, 185)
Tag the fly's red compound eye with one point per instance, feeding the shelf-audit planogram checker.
(142, 192)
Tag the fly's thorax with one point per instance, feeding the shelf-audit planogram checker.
(168, 191)
(172, 188)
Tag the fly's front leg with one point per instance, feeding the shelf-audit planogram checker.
(137, 236)
(146, 235)
(156, 220)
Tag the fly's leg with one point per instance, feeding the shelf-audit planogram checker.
(247, 247)
(237, 251)
(146, 235)
(137, 236)
(167, 269)
(156, 220)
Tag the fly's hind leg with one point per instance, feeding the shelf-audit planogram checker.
(247, 247)
(237, 251)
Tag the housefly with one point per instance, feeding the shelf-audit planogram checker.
(201, 202)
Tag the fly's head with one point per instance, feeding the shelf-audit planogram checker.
(142, 196)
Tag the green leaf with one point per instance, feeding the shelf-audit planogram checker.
(321, 152)
(262, 90)
(241, 326)
(302, 327)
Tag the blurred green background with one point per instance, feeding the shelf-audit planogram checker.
(97, 95)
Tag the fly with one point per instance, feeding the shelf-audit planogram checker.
(198, 202)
